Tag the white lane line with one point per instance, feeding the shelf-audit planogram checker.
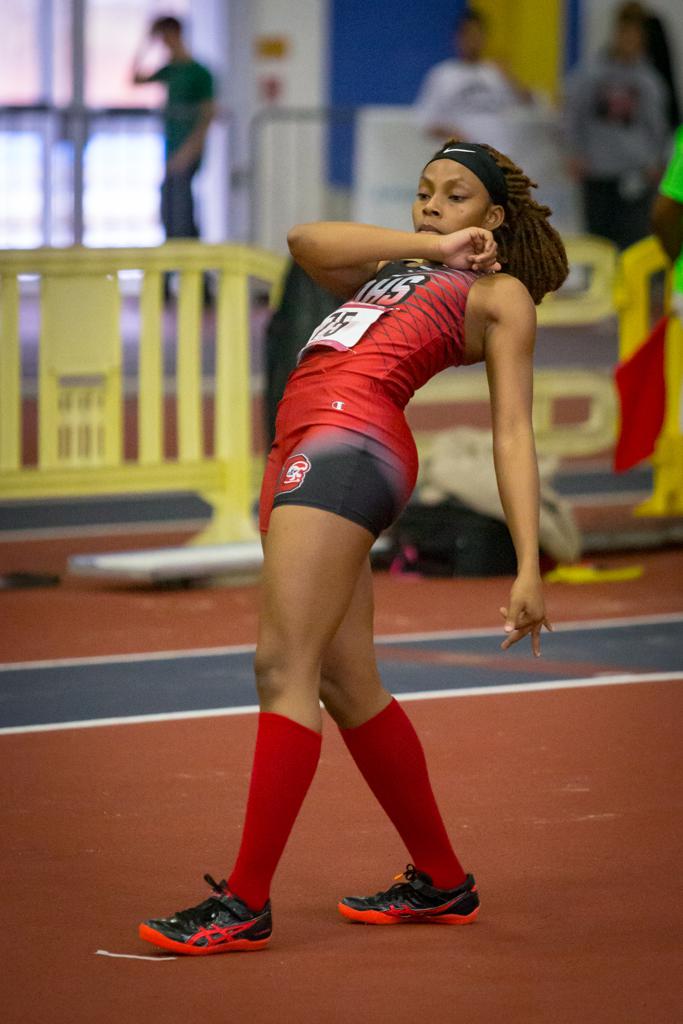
(551, 684)
(251, 709)
(665, 618)
(133, 956)
(122, 659)
(167, 716)
(387, 638)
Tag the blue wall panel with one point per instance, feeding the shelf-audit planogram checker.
(380, 51)
(572, 30)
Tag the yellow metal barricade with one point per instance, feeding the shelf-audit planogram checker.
(594, 259)
(638, 265)
(80, 423)
(594, 433)
(80, 381)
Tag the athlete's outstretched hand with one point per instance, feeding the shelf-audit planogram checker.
(470, 249)
(525, 614)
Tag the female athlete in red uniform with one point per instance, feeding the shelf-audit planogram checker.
(341, 468)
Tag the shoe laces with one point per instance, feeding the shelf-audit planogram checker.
(220, 887)
(400, 882)
(410, 874)
(196, 916)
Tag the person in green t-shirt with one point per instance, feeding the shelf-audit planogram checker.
(667, 217)
(188, 113)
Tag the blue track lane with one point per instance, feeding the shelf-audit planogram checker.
(98, 689)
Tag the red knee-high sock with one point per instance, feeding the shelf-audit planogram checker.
(390, 757)
(285, 761)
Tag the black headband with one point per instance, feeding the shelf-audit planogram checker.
(480, 162)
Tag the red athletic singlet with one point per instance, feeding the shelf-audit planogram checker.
(362, 365)
(415, 329)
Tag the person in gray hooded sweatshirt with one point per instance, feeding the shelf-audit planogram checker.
(617, 133)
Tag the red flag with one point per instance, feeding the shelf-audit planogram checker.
(642, 397)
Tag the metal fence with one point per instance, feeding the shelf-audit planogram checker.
(292, 175)
(72, 176)
(77, 175)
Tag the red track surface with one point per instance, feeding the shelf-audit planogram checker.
(79, 618)
(564, 804)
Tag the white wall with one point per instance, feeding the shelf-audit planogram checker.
(288, 180)
(303, 71)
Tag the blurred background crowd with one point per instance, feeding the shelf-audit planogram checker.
(320, 109)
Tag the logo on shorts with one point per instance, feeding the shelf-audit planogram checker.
(339, 406)
(293, 472)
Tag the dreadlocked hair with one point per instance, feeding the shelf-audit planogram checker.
(529, 247)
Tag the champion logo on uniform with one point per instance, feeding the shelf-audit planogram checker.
(339, 406)
(293, 473)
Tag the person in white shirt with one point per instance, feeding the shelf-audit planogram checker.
(458, 94)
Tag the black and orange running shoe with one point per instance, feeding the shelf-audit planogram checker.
(415, 901)
(221, 924)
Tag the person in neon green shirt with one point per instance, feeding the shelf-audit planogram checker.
(667, 217)
(187, 115)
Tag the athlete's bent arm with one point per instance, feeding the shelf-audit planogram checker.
(508, 350)
(341, 255)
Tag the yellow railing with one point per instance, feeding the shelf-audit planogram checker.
(638, 265)
(618, 285)
(80, 380)
(596, 258)
(594, 433)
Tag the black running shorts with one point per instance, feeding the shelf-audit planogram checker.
(340, 471)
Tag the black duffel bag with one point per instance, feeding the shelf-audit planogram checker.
(448, 539)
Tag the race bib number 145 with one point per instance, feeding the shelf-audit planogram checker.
(345, 327)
